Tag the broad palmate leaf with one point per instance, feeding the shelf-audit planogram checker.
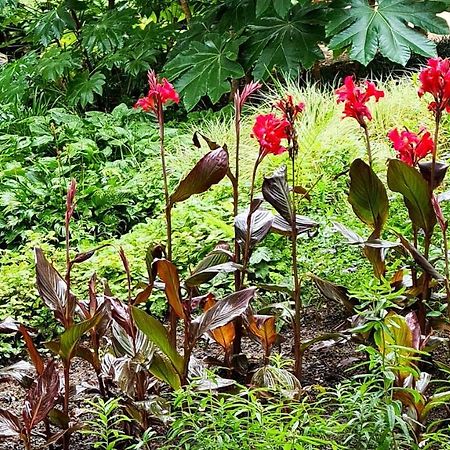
(205, 68)
(285, 43)
(393, 27)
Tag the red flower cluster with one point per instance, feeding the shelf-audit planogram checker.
(289, 109)
(411, 147)
(159, 93)
(269, 130)
(355, 99)
(435, 79)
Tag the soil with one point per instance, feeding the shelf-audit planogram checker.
(324, 366)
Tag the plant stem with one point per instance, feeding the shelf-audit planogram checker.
(246, 256)
(168, 213)
(435, 149)
(298, 354)
(66, 438)
(447, 269)
(245, 261)
(368, 146)
(235, 184)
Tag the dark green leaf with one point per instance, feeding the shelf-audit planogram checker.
(70, 337)
(156, 333)
(409, 182)
(367, 195)
(206, 68)
(162, 368)
(285, 43)
(385, 26)
(82, 88)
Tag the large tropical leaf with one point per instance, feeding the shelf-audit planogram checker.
(10, 425)
(162, 368)
(205, 68)
(260, 225)
(394, 27)
(169, 275)
(409, 182)
(368, 195)
(275, 190)
(71, 336)
(42, 396)
(221, 313)
(213, 263)
(285, 43)
(156, 333)
(304, 225)
(208, 171)
(225, 334)
(51, 286)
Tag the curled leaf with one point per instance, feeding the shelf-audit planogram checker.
(211, 169)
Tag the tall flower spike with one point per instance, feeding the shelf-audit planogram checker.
(290, 109)
(269, 130)
(435, 80)
(355, 99)
(411, 147)
(241, 97)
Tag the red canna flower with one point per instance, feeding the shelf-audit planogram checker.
(435, 79)
(355, 99)
(269, 130)
(159, 94)
(411, 147)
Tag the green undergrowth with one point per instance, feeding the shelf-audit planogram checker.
(119, 151)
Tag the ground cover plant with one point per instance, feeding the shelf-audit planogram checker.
(147, 335)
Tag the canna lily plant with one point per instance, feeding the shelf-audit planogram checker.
(412, 176)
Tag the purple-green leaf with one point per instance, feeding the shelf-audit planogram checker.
(221, 313)
(211, 169)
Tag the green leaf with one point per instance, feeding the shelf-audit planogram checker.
(367, 195)
(70, 337)
(51, 25)
(409, 182)
(55, 63)
(262, 6)
(285, 43)
(82, 88)
(206, 68)
(162, 368)
(385, 27)
(281, 7)
(156, 333)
